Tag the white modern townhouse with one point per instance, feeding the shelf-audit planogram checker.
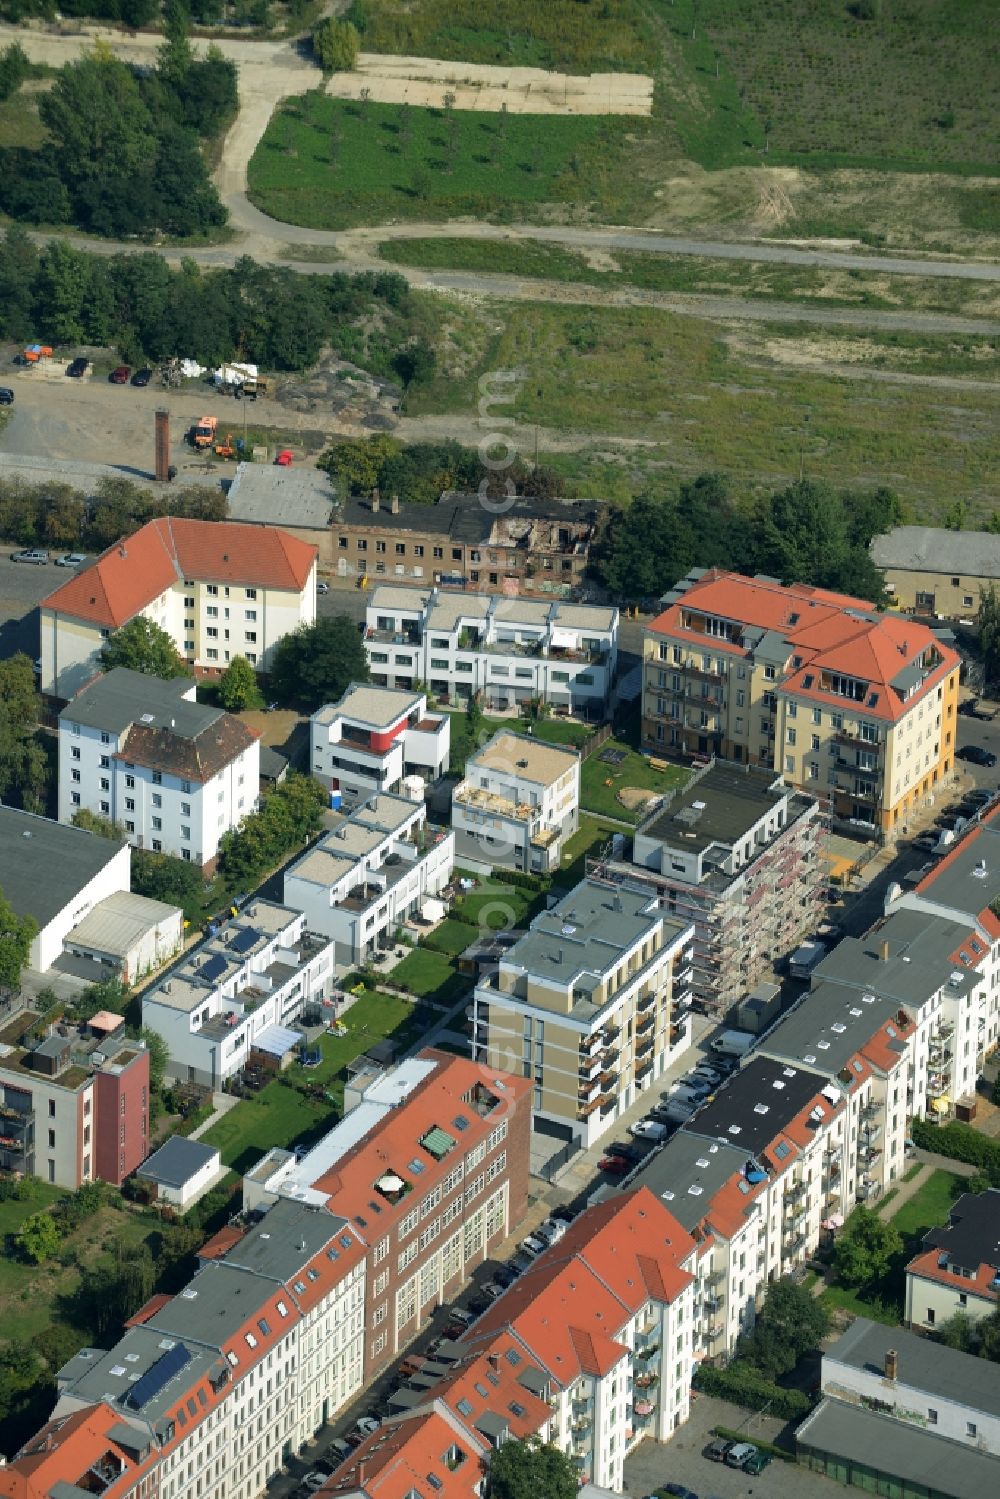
(376, 739)
(517, 803)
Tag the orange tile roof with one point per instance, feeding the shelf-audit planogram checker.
(925, 1265)
(394, 1462)
(881, 1050)
(825, 632)
(152, 1306)
(220, 1244)
(126, 578)
(65, 1449)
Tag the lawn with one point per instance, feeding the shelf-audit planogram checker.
(551, 730)
(559, 34)
(600, 782)
(590, 837)
(450, 937)
(930, 1204)
(497, 906)
(431, 976)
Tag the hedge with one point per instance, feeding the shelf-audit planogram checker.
(960, 1142)
(744, 1386)
(741, 1436)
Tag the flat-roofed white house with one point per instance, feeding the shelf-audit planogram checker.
(517, 803)
(511, 650)
(359, 883)
(375, 738)
(238, 993)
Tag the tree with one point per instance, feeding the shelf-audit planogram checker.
(336, 45)
(175, 57)
(864, 1252)
(159, 1056)
(39, 1237)
(528, 1470)
(162, 877)
(92, 822)
(790, 1323)
(238, 686)
(315, 663)
(96, 116)
(142, 645)
(988, 622)
(16, 936)
(286, 818)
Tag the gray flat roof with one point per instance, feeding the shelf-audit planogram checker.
(125, 697)
(587, 931)
(972, 1235)
(176, 1161)
(923, 1364)
(377, 705)
(43, 872)
(288, 1237)
(930, 549)
(688, 1171)
(827, 1027)
(919, 961)
(216, 1302)
(929, 1462)
(756, 1104)
(96, 1374)
(720, 805)
(968, 878)
(266, 495)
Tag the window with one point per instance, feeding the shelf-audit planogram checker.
(212, 654)
(75, 798)
(74, 775)
(105, 738)
(362, 544)
(157, 779)
(105, 784)
(930, 1316)
(251, 593)
(380, 546)
(185, 832)
(185, 787)
(130, 804)
(342, 543)
(212, 611)
(75, 752)
(400, 548)
(418, 551)
(789, 734)
(105, 761)
(213, 590)
(185, 809)
(456, 554)
(250, 615)
(157, 824)
(212, 632)
(130, 827)
(932, 1417)
(439, 551)
(970, 1428)
(105, 809)
(251, 635)
(186, 855)
(157, 799)
(157, 845)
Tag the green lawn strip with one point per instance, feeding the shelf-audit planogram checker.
(429, 975)
(589, 838)
(495, 905)
(549, 730)
(596, 795)
(843, 1299)
(930, 1204)
(450, 937)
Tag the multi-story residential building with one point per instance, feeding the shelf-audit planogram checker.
(209, 1391)
(515, 546)
(736, 852)
(511, 651)
(364, 880)
(373, 740)
(517, 803)
(958, 1269)
(431, 1169)
(174, 774)
(855, 706)
(592, 1004)
(929, 570)
(220, 589)
(74, 1107)
(236, 993)
(591, 1349)
(901, 1415)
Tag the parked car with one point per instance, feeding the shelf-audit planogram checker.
(649, 1129)
(314, 1481)
(565, 1213)
(532, 1245)
(625, 1150)
(679, 1491)
(976, 755)
(757, 1463)
(616, 1165)
(142, 377)
(322, 588)
(480, 1303)
(78, 367)
(411, 1364)
(32, 555)
(71, 559)
(716, 1451)
(551, 1231)
(339, 1449)
(459, 1314)
(368, 1424)
(978, 796)
(6, 396)
(121, 375)
(739, 1454)
(505, 1275)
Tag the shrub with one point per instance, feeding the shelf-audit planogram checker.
(740, 1436)
(744, 1386)
(961, 1143)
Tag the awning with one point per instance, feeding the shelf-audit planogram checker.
(277, 1040)
(941, 1105)
(643, 1408)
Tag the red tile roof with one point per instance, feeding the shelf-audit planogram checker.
(219, 1245)
(65, 1449)
(138, 569)
(395, 1461)
(925, 1265)
(826, 632)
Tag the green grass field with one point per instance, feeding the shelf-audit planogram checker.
(930, 1204)
(429, 975)
(551, 730)
(596, 795)
(589, 838)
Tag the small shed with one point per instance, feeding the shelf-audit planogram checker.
(181, 1170)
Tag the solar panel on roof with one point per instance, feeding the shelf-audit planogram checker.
(153, 1381)
(213, 969)
(245, 939)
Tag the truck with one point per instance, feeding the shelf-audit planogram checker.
(203, 432)
(732, 1043)
(804, 959)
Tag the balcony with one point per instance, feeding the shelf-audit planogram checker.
(871, 1110)
(793, 1246)
(647, 1349)
(855, 737)
(646, 1003)
(796, 1192)
(645, 1045)
(643, 1022)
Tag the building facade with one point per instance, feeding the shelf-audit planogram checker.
(360, 883)
(591, 1004)
(509, 651)
(856, 707)
(517, 803)
(373, 740)
(958, 1269)
(174, 774)
(929, 570)
(237, 993)
(219, 589)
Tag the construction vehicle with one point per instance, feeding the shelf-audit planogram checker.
(203, 432)
(250, 389)
(225, 449)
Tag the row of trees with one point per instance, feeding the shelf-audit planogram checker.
(805, 533)
(145, 309)
(420, 472)
(24, 763)
(57, 515)
(285, 819)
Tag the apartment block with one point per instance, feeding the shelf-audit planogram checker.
(930, 570)
(854, 706)
(234, 998)
(958, 1269)
(174, 774)
(219, 588)
(74, 1106)
(517, 803)
(375, 739)
(515, 545)
(591, 1349)
(431, 1170)
(736, 852)
(592, 1004)
(371, 875)
(510, 651)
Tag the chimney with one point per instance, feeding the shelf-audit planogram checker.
(883, 950)
(375, 500)
(394, 505)
(891, 1365)
(162, 447)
